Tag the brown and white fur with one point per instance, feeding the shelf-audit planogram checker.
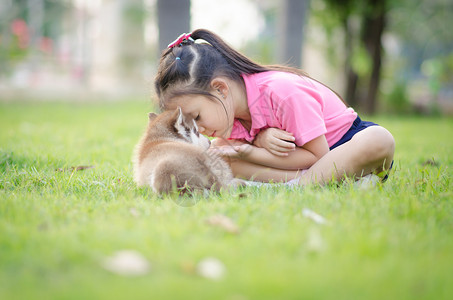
(173, 154)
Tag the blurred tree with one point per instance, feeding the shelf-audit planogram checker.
(173, 19)
(290, 38)
(344, 10)
(373, 25)
(363, 24)
(424, 28)
(421, 29)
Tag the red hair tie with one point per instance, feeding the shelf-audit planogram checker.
(180, 40)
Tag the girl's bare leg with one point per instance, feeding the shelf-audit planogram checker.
(369, 151)
(250, 171)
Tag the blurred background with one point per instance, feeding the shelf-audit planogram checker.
(391, 56)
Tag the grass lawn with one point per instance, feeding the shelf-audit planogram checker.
(58, 225)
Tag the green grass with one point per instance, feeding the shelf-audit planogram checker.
(394, 241)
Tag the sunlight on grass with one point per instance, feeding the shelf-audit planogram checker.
(58, 223)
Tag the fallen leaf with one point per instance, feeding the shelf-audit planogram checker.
(211, 268)
(430, 162)
(188, 267)
(127, 263)
(77, 168)
(223, 222)
(43, 226)
(242, 195)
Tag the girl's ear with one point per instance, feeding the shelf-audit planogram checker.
(220, 85)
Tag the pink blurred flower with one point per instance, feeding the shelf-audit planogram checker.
(46, 45)
(20, 29)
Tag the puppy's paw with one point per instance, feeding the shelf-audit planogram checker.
(236, 183)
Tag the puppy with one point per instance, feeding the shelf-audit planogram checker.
(172, 154)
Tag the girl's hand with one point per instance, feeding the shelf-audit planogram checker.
(276, 141)
(232, 151)
(218, 142)
(224, 151)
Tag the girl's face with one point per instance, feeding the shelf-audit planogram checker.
(213, 119)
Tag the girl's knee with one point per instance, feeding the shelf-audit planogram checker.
(385, 142)
(378, 144)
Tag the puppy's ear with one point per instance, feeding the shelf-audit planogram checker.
(152, 116)
(179, 117)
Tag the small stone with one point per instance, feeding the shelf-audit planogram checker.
(127, 263)
(211, 268)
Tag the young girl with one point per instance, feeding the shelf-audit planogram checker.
(272, 123)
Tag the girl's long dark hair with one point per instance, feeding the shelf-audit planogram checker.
(189, 68)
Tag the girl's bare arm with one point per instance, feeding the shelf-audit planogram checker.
(256, 163)
(301, 158)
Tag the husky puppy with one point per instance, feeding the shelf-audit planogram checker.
(172, 154)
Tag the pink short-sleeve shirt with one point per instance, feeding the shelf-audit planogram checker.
(296, 104)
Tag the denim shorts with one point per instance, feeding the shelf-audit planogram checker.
(357, 126)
